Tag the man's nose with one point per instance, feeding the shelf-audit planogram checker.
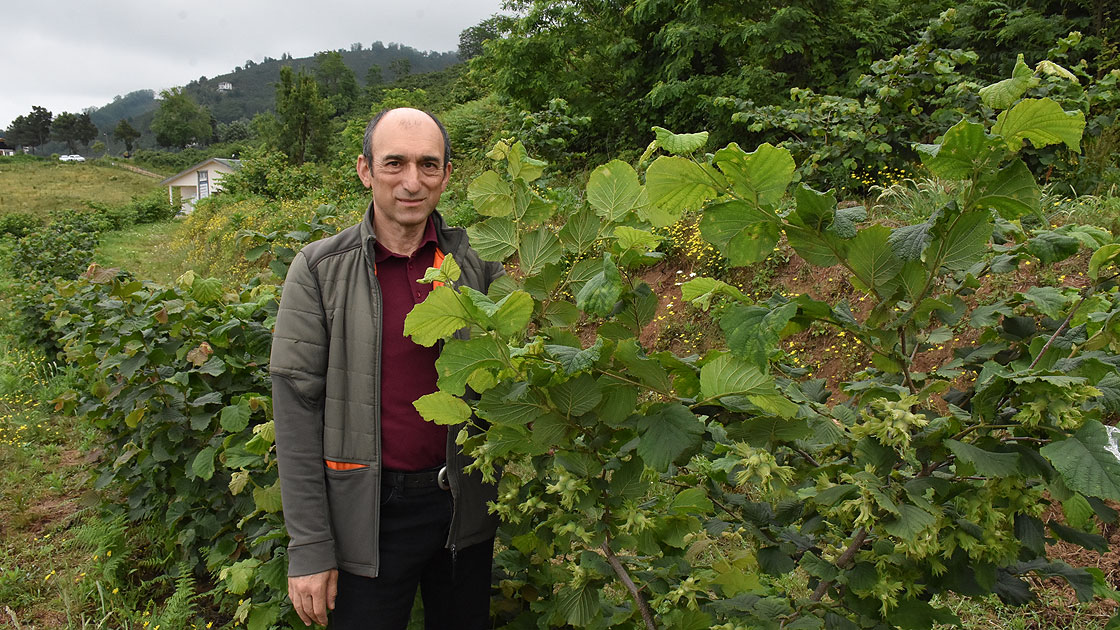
(411, 179)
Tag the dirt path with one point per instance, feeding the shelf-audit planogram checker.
(136, 169)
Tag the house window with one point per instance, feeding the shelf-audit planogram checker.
(203, 185)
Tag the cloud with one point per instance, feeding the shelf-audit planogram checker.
(82, 54)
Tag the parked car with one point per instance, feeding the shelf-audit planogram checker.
(71, 158)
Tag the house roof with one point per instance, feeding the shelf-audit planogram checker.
(230, 162)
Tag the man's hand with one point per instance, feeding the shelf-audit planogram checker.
(313, 595)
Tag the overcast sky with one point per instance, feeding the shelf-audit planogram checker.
(67, 55)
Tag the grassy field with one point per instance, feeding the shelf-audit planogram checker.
(39, 186)
(146, 250)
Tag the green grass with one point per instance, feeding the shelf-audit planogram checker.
(144, 250)
(39, 186)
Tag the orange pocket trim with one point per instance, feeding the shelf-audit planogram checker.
(333, 465)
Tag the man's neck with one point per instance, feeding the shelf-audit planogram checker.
(399, 239)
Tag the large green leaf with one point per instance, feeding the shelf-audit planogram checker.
(461, 359)
(760, 177)
(577, 396)
(1089, 460)
(580, 605)
(491, 195)
(674, 185)
(967, 240)
(1104, 257)
(680, 143)
(581, 231)
(521, 165)
(1050, 301)
(987, 463)
(1051, 247)
(909, 241)
(576, 359)
(822, 249)
(753, 332)
(442, 408)
(727, 377)
(234, 418)
(613, 190)
(666, 434)
(1012, 191)
(494, 239)
(513, 404)
(436, 318)
(203, 463)
(267, 498)
(743, 233)
(1004, 94)
(872, 258)
(649, 372)
(539, 248)
(700, 291)
(965, 150)
(1043, 122)
(599, 294)
(910, 522)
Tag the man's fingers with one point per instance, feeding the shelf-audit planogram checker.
(319, 612)
(332, 588)
(297, 604)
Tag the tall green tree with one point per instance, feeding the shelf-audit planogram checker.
(400, 67)
(631, 64)
(303, 116)
(127, 134)
(472, 38)
(73, 129)
(336, 80)
(31, 130)
(180, 120)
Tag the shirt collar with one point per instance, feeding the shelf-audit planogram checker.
(381, 253)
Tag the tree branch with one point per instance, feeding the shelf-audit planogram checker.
(841, 562)
(620, 571)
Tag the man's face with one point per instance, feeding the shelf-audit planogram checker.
(408, 174)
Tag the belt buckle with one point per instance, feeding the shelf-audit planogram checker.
(441, 479)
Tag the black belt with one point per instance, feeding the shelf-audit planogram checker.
(434, 478)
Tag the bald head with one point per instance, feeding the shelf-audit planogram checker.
(405, 116)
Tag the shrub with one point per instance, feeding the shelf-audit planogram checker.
(19, 224)
(153, 207)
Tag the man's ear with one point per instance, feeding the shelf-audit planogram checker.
(364, 173)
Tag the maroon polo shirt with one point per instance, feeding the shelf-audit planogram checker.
(408, 370)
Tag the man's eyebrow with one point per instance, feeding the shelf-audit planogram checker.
(402, 158)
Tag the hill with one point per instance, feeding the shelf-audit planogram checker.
(38, 186)
(253, 85)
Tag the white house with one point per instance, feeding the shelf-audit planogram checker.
(225, 86)
(5, 149)
(199, 181)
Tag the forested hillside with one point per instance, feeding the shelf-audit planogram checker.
(811, 322)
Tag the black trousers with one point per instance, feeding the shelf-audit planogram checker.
(455, 590)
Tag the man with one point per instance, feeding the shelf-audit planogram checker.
(375, 498)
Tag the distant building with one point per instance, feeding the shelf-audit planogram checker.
(199, 181)
(6, 150)
(225, 86)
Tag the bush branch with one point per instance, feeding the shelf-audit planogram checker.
(620, 571)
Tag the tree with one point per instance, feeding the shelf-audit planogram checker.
(31, 130)
(303, 116)
(373, 76)
(400, 67)
(336, 81)
(180, 121)
(127, 134)
(73, 129)
(472, 38)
